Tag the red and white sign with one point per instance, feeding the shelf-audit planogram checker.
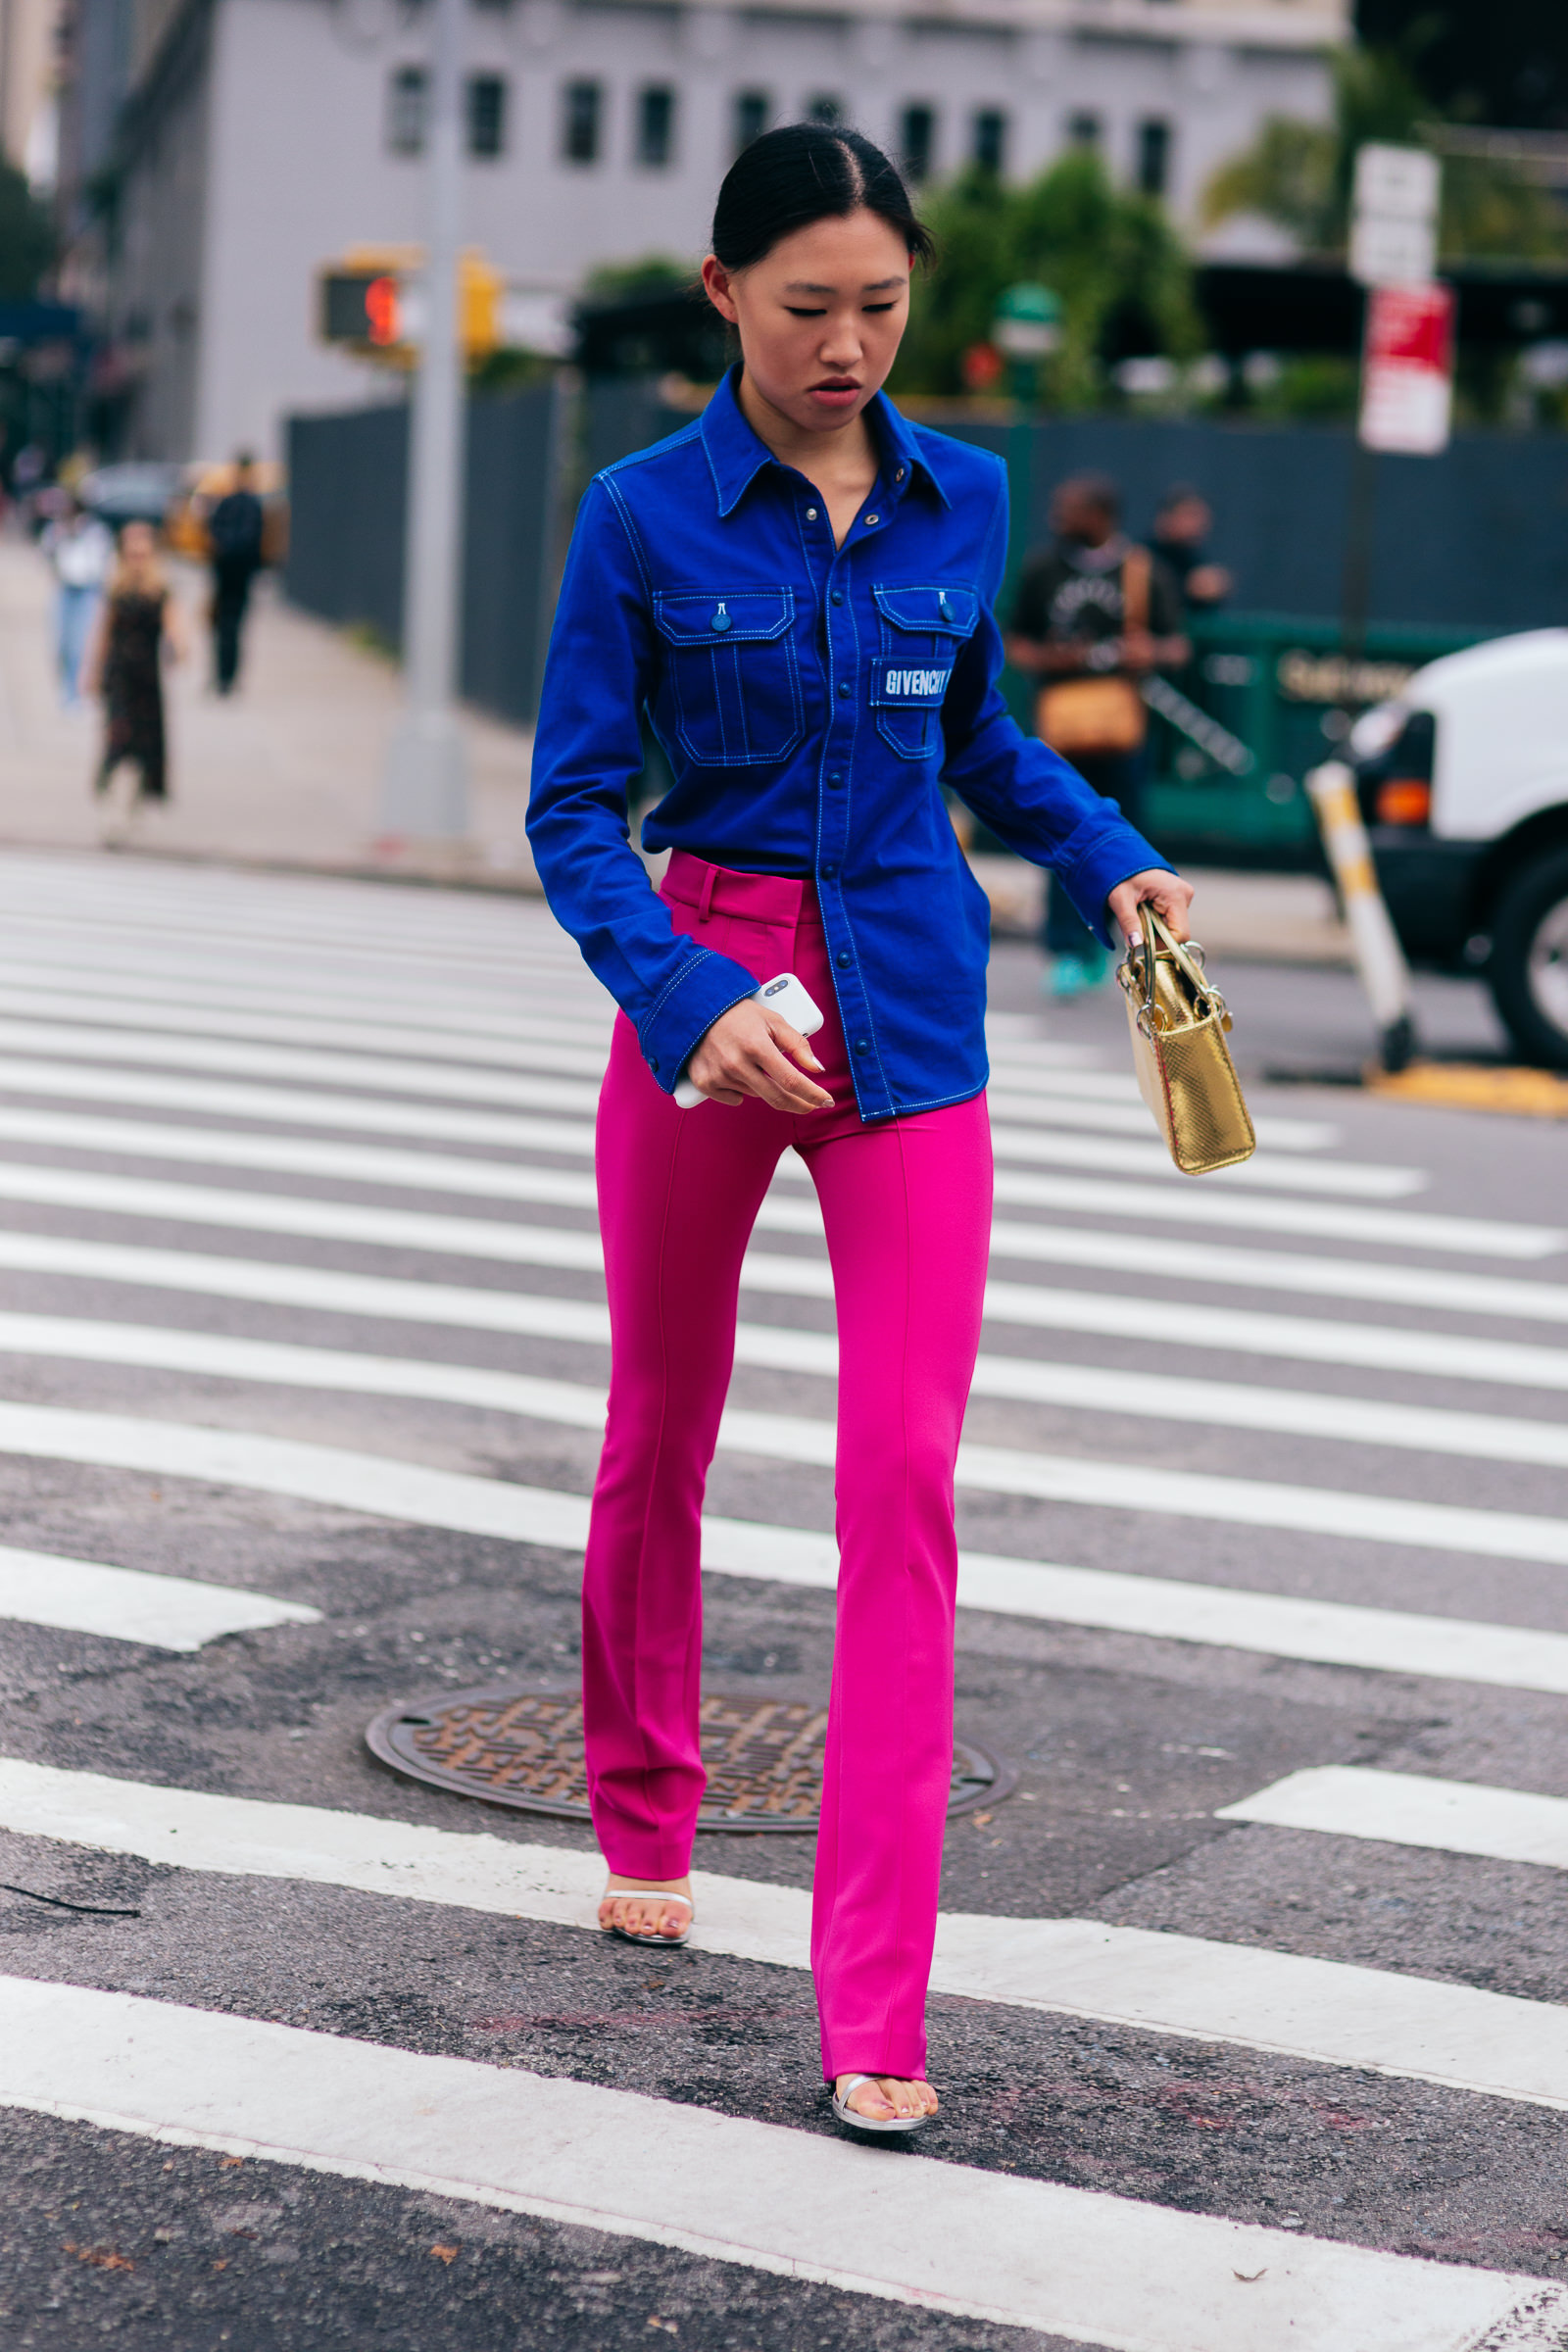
(1408, 376)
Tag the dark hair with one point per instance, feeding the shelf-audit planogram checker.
(1180, 494)
(806, 172)
(1098, 490)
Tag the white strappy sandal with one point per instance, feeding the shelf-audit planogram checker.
(897, 2127)
(663, 1943)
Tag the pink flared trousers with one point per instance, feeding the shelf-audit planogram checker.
(906, 1207)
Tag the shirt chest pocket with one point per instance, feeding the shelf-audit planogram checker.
(920, 632)
(732, 672)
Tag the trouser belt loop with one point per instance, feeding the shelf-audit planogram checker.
(704, 897)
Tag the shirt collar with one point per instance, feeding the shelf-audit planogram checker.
(736, 455)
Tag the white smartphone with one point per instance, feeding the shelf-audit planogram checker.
(785, 995)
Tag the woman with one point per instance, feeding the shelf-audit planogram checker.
(797, 590)
(80, 550)
(139, 619)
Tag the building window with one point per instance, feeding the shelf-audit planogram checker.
(825, 109)
(754, 112)
(408, 103)
(656, 127)
(1085, 131)
(487, 115)
(1153, 157)
(581, 109)
(917, 140)
(987, 145)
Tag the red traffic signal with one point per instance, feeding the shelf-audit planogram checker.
(360, 305)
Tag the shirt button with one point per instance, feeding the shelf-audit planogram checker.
(721, 620)
(899, 477)
(871, 519)
(654, 1066)
(844, 686)
(829, 872)
(862, 1044)
(810, 513)
(843, 957)
(835, 775)
(838, 596)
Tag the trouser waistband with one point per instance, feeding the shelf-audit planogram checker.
(782, 899)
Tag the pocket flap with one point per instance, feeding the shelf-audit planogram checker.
(714, 617)
(952, 611)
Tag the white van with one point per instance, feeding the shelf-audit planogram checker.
(1464, 791)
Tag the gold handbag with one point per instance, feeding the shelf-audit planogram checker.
(1185, 1073)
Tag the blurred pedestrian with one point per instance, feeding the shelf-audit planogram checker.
(80, 550)
(1094, 614)
(138, 627)
(1184, 523)
(234, 535)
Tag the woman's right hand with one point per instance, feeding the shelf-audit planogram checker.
(750, 1050)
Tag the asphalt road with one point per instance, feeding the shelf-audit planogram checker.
(1261, 1517)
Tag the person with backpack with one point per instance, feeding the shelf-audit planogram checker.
(1093, 616)
(234, 531)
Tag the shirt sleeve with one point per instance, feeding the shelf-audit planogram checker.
(599, 673)
(1025, 792)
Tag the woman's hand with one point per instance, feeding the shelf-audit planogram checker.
(1167, 893)
(750, 1050)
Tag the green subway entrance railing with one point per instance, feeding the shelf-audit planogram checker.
(1284, 690)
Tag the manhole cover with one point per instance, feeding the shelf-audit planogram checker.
(523, 1748)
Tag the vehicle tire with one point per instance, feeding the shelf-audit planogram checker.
(1528, 967)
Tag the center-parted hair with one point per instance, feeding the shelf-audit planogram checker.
(803, 173)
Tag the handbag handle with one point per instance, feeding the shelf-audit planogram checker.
(1157, 930)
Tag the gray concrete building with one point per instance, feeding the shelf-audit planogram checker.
(218, 152)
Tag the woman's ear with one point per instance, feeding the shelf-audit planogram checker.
(717, 282)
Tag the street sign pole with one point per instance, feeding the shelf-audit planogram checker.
(1393, 245)
(424, 790)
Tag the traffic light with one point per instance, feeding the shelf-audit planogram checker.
(374, 302)
(360, 305)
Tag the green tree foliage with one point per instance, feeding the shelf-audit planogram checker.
(641, 280)
(27, 237)
(1112, 256)
(1299, 174)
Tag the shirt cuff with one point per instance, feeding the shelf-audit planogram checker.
(705, 987)
(1094, 860)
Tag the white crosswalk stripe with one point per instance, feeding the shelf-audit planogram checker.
(1108, 1315)
(1405, 1808)
(128, 1605)
(1080, 1388)
(430, 1498)
(1421, 1287)
(945, 2238)
(221, 1037)
(421, 1170)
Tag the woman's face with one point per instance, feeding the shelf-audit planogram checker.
(137, 544)
(820, 317)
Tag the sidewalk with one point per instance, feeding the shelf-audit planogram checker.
(286, 773)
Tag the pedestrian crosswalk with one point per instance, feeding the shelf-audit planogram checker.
(275, 1157)
(1426, 2030)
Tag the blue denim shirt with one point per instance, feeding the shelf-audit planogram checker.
(812, 700)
